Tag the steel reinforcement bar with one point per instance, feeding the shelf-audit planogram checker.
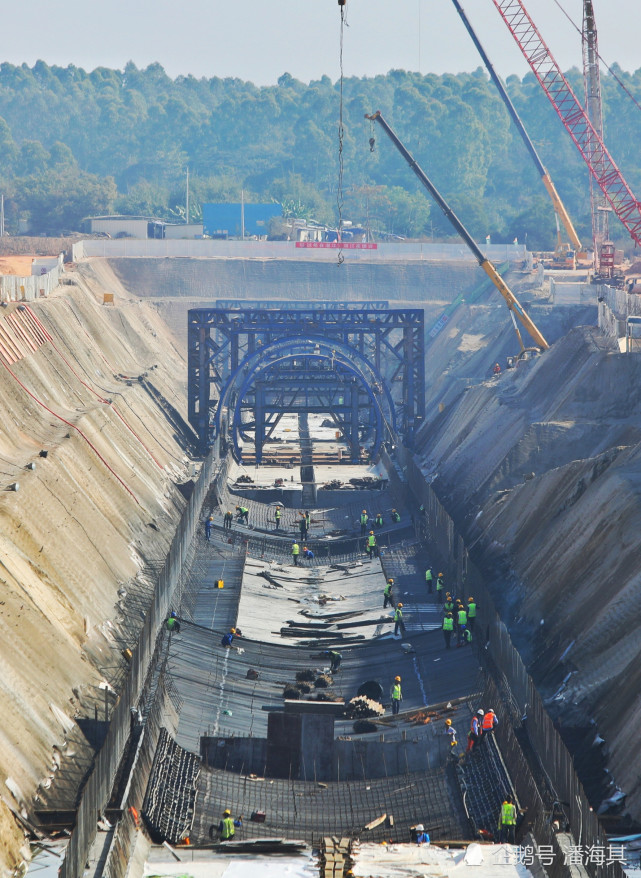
(99, 786)
(552, 754)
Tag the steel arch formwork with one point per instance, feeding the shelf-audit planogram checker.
(224, 344)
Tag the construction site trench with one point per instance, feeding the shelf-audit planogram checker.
(522, 489)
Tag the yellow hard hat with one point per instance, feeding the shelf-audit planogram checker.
(390, 579)
(448, 722)
(364, 511)
(226, 812)
(232, 630)
(371, 531)
(440, 574)
(470, 600)
(399, 605)
(398, 679)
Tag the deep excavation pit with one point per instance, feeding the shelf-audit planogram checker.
(538, 468)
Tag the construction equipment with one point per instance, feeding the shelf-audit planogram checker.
(577, 123)
(565, 253)
(603, 247)
(512, 302)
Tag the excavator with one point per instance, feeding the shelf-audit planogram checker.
(514, 306)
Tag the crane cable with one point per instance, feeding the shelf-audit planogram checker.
(341, 134)
(600, 57)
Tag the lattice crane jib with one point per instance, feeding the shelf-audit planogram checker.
(600, 163)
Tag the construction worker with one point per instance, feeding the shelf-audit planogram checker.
(335, 659)
(364, 520)
(278, 514)
(208, 525)
(440, 585)
(371, 545)
(490, 722)
(461, 621)
(464, 636)
(378, 521)
(395, 516)
(448, 606)
(428, 580)
(243, 514)
(227, 827)
(302, 526)
(228, 638)
(398, 620)
(507, 820)
(387, 594)
(308, 554)
(295, 553)
(397, 695)
(451, 731)
(172, 623)
(227, 520)
(448, 627)
(308, 522)
(422, 837)
(475, 732)
(471, 613)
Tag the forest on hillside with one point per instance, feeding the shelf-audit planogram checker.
(75, 144)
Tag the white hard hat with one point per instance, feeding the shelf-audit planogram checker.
(419, 827)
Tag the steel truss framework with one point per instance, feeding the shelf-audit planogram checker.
(238, 355)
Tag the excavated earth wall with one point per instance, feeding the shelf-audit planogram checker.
(82, 538)
(175, 285)
(541, 469)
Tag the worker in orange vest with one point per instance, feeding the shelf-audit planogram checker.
(490, 721)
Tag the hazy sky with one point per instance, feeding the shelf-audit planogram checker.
(259, 40)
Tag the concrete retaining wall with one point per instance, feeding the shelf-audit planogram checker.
(26, 289)
(210, 249)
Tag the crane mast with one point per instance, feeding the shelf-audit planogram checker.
(594, 109)
(590, 144)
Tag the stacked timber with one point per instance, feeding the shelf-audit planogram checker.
(335, 857)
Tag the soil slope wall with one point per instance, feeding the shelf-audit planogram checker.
(541, 468)
(82, 538)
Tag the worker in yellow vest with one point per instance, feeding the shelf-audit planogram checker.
(364, 520)
(397, 695)
(399, 625)
(461, 623)
(448, 627)
(371, 545)
(295, 553)
(507, 821)
(440, 585)
(471, 613)
(428, 580)
(227, 827)
(387, 594)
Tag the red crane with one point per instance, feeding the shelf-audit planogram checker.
(602, 166)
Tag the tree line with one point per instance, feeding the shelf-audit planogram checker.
(76, 143)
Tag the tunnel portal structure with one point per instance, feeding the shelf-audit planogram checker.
(364, 366)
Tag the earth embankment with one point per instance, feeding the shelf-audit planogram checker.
(89, 469)
(541, 468)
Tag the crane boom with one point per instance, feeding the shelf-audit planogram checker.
(555, 198)
(594, 109)
(512, 302)
(594, 152)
